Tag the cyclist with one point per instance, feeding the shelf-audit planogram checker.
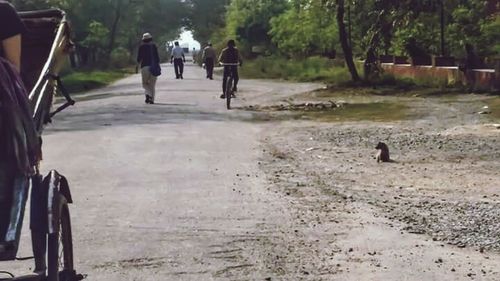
(230, 55)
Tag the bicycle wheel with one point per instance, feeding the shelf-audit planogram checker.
(229, 92)
(60, 249)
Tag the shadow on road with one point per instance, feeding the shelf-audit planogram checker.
(99, 117)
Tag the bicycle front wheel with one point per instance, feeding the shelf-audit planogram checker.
(60, 249)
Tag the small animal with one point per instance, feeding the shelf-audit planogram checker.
(383, 152)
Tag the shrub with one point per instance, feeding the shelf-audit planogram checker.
(120, 58)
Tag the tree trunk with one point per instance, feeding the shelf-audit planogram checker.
(344, 41)
(114, 27)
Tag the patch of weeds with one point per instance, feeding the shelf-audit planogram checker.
(81, 81)
(494, 105)
(378, 112)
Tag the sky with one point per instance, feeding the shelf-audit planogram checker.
(187, 38)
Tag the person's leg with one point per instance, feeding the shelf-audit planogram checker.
(176, 67)
(19, 196)
(152, 84)
(205, 62)
(181, 68)
(145, 74)
(210, 68)
(236, 78)
(5, 197)
(224, 81)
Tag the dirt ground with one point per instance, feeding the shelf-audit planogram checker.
(283, 187)
(433, 213)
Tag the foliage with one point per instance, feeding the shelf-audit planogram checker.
(205, 17)
(101, 26)
(108, 30)
(81, 81)
(96, 36)
(248, 21)
(307, 28)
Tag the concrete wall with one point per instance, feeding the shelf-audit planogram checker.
(484, 79)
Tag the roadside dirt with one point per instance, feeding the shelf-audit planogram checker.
(431, 214)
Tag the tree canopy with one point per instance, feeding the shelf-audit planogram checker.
(292, 28)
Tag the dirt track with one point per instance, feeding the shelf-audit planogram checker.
(432, 214)
(185, 190)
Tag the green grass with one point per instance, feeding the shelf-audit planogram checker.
(306, 70)
(494, 105)
(377, 112)
(82, 81)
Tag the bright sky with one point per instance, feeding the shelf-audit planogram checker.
(187, 38)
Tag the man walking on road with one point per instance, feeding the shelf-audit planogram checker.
(209, 60)
(147, 57)
(178, 59)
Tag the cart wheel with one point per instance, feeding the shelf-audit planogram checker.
(60, 249)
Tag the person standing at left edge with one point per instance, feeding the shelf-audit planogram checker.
(147, 57)
(178, 59)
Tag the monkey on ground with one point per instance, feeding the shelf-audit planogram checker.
(383, 152)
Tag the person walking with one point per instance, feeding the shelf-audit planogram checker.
(148, 57)
(208, 58)
(178, 59)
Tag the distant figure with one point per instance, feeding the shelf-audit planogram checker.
(146, 57)
(195, 54)
(383, 153)
(472, 62)
(208, 58)
(230, 55)
(370, 65)
(178, 60)
(416, 52)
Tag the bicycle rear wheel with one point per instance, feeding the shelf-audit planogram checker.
(229, 92)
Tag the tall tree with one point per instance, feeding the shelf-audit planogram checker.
(205, 17)
(344, 41)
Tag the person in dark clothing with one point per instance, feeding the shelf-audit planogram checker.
(472, 62)
(146, 57)
(230, 55)
(370, 65)
(19, 143)
(209, 57)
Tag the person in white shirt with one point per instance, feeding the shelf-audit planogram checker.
(178, 59)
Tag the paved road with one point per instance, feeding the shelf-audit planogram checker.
(170, 191)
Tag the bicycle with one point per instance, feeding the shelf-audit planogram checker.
(229, 92)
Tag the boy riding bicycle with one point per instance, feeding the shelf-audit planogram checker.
(230, 57)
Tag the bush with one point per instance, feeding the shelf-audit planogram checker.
(120, 58)
(82, 81)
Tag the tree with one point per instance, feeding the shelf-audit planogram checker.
(205, 17)
(344, 41)
(248, 21)
(306, 28)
